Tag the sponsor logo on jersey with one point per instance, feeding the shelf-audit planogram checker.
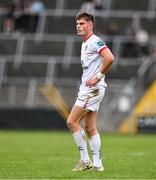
(83, 65)
(100, 43)
(86, 48)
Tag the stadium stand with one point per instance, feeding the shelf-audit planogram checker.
(51, 55)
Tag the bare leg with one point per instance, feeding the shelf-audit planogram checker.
(75, 116)
(73, 122)
(90, 123)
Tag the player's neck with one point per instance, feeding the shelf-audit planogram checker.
(85, 38)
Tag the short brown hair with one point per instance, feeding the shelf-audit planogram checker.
(86, 16)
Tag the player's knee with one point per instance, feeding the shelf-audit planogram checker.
(90, 129)
(70, 123)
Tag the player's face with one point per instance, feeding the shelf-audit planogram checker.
(83, 27)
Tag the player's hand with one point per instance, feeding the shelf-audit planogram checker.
(92, 82)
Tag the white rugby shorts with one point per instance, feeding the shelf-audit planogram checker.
(90, 100)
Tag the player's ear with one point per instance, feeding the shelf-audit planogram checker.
(91, 24)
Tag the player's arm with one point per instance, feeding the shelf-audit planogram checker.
(108, 60)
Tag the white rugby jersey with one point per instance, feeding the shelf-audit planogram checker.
(91, 60)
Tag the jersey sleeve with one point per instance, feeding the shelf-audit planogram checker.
(99, 45)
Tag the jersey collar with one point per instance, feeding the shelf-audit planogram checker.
(88, 37)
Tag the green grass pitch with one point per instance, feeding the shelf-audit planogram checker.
(51, 155)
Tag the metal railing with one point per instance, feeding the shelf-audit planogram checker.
(29, 86)
(66, 59)
(69, 42)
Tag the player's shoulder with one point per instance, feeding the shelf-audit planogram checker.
(97, 39)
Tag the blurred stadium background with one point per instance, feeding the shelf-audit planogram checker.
(40, 63)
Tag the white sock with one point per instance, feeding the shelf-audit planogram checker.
(95, 145)
(80, 140)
